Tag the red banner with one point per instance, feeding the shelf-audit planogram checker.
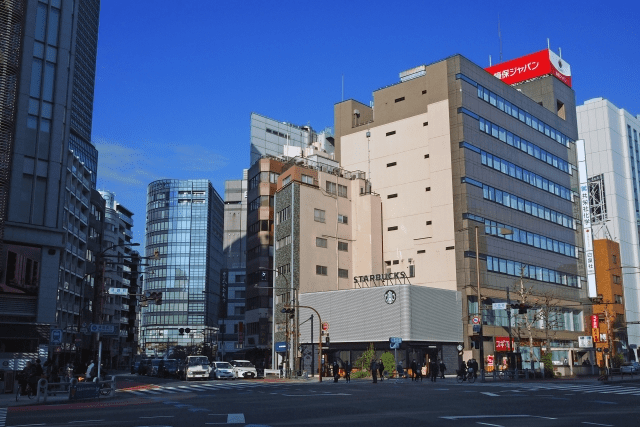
(595, 323)
(503, 344)
(531, 66)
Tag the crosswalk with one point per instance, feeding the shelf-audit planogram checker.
(199, 387)
(575, 388)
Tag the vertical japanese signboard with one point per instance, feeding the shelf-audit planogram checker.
(585, 209)
(224, 293)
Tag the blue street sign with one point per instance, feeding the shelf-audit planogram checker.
(107, 329)
(281, 347)
(56, 337)
(395, 340)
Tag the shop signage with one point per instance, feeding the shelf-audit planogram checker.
(595, 323)
(105, 329)
(381, 277)
(585, 209)
(503, 344)
(585, 342)
(538, 64)
(224, 293)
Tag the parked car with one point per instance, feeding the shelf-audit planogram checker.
(220, 370)
(135, 367)
(243, 369)
(196, 367)
(152, 366)
(630, 368)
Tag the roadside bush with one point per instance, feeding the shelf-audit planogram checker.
(363, 363)
(389, 361)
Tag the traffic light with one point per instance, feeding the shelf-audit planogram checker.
(181, 331)
(327, 341)
(288, 310)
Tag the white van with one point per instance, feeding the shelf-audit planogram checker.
(196, 367)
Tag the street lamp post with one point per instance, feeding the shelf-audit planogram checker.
(481, 333)
(319, 338)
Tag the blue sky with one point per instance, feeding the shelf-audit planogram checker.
(176, 82)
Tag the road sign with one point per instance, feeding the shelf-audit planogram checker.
(325, 326)
(499, 306)
(56, 337)
(281, 347)
(476, 320)
(106, 329)
(119, 291)
(395, 340)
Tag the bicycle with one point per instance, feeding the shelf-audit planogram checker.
(465, 376)
(25, 390)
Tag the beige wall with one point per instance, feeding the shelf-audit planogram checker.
(413, 206)
(362, 233)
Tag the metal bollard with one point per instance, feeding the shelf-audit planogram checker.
(42, 389)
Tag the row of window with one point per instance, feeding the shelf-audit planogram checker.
(522, 144)
(322, 243)
(514, 268)
(276, 133)
(266, 176)
(525, 237)
(521, 174)
(284, 269)
(512, 201)
(321, 270)
(260, 201)
(331, 189)
(319, 216)
(283, 215)
(281, 243)
(516, 112)
(261, 225)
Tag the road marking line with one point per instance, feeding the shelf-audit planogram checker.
(490, 394)
(158, 416)
(86, 421)
(487, 424)
(235, 419)
(605, 402)
(596, 424)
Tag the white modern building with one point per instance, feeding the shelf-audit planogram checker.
(613, 164)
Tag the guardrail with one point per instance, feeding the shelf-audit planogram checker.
(75, 390)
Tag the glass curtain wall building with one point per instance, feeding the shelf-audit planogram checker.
(184, 226)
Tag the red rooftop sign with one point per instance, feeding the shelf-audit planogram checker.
(534, 65)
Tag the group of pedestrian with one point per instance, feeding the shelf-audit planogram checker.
(470, 367)
(436, 368)
(336, 371)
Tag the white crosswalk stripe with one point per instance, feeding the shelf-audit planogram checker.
(3, 416)
(577, 388)
(199, 388)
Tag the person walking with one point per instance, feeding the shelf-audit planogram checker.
(87, 376)
(433, 370)
(347, 371)
(443, 368)
(374, 370)
(413, 367)
(336, 371)
(381, 369)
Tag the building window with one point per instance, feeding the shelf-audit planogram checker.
(321, 243)
(426, 156)
(428, 222)
(284, 214)
(616, 279)
(448, 248)
(307, 179)
(331, 187)
(342, 219)
(321, 270)
(392, 196)
(396, 262)
(618, 299)
(342, 190)
(318, 215)
(615, 259)
(425, 124)
(342, 273)
(343, 246)
(424, 92)
(394, 228)
(281, 243)
(412, 270)
(400, 99)
(393, 132)
(422, 251)
(427, 189)
(391, 164)
(286, 180)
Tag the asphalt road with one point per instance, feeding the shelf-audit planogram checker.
(360, 403)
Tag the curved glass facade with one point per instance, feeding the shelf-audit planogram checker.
(184, 225)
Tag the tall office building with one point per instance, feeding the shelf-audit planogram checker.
(185, 220)
(46, 87)
(270, 137)
(613, 162)
(454, 151)
(233, 277)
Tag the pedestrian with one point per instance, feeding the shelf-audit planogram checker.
(443, 368)
(419, 372)
(381, 369)
(347, 371)
(413, 367)
(336, 371)
(463, 370)
(39, 370)
(433, 370)
(374, 370)
(475, 368)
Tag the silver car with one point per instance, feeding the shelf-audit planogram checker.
(243, 369)
(220, 370)
(630, 368)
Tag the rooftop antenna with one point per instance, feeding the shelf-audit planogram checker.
(343, 87)
(500, 37)
(489, 60)
(560, 51)
(548, 46)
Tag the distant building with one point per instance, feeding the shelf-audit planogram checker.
(185, 221)
(233, 277)
(270, 137)
(611, 137)
(48, 73)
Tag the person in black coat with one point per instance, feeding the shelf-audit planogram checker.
(433, 370)
(336, 371)
(414, 367)
(443, 368)
(374, 370)
(347, 371)
(381, 369)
